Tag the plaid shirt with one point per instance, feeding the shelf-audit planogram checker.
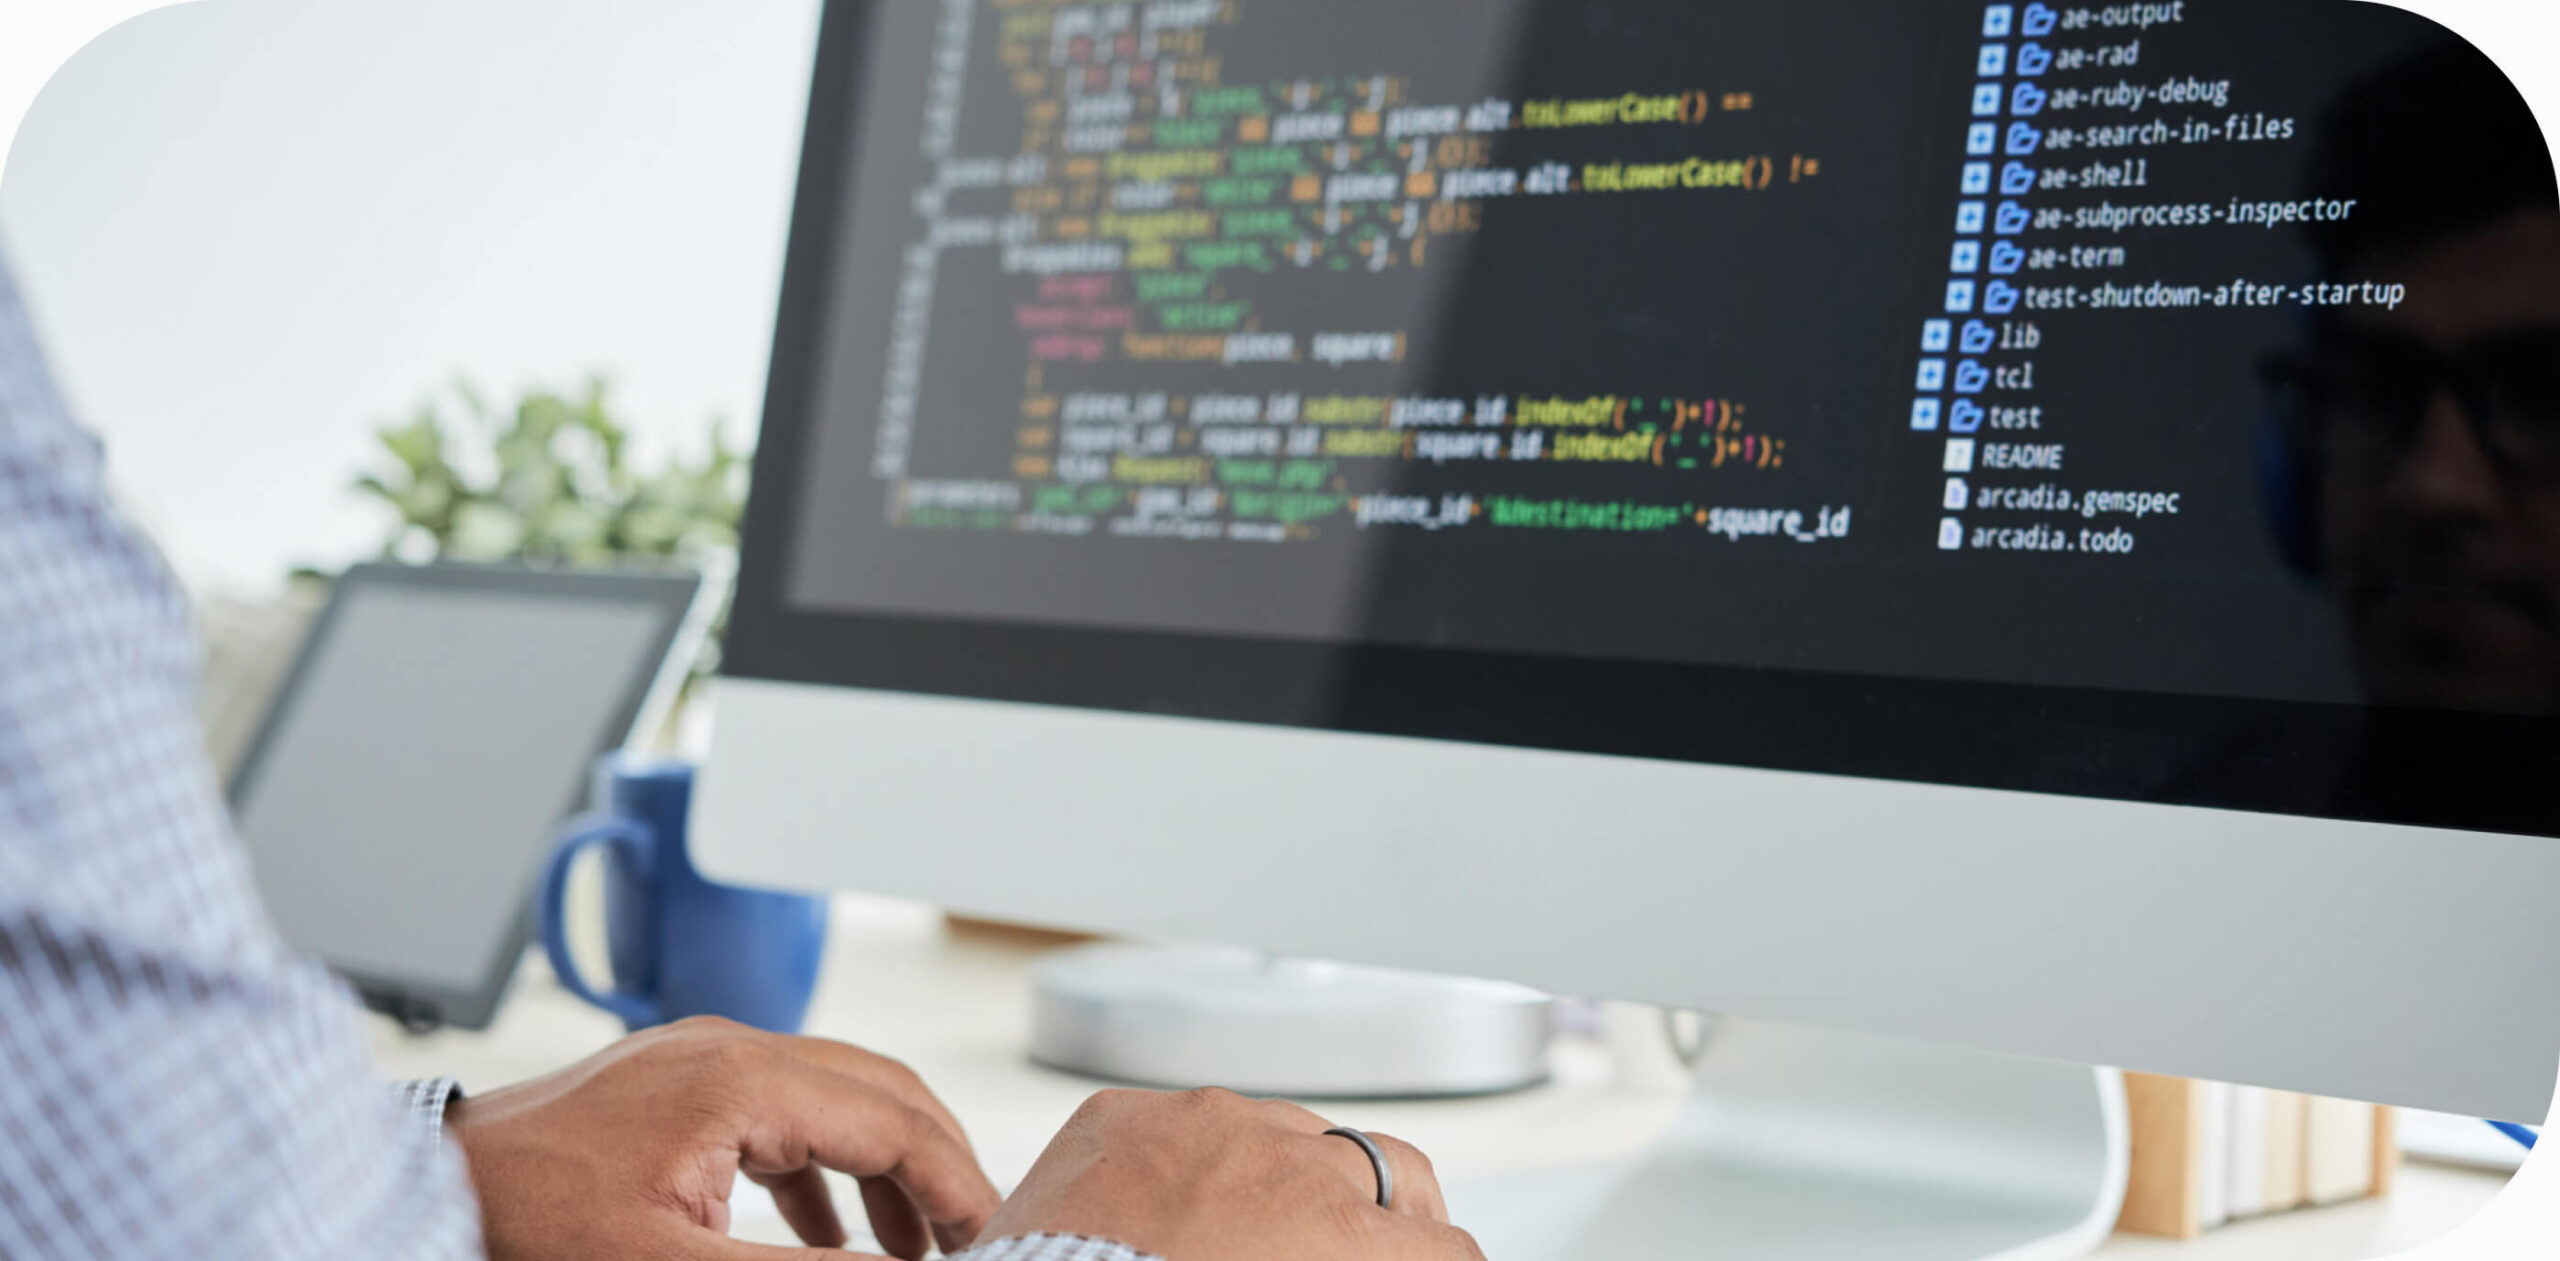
(174, 1082)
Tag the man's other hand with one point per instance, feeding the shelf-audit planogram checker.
(633, 1153)
(1211, 1176)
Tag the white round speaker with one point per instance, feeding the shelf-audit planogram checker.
(1183, 1017)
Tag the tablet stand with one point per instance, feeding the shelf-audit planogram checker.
(416, 1017)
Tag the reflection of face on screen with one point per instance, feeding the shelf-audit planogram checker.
(2432, 429)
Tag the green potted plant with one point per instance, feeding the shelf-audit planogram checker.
(549, 481)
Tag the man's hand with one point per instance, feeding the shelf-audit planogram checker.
(632, 1154)
(1211, 1176)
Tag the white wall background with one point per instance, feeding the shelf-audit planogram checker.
(252, 229)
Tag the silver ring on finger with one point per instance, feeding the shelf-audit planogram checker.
(1377, 1161)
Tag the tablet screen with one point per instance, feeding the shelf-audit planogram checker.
(409, 784)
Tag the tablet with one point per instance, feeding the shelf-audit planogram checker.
(437, 727)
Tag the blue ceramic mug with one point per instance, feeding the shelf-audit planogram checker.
(680, 945)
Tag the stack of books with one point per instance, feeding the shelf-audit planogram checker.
(2205, 1154)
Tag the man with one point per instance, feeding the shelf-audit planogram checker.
(2424, 437)
(175, 1083)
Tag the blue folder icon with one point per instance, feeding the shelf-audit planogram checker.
(2001, 298)
(2034, 59)
(1965, 417)
(2007, 258)
(2011, 220)
(2023, 139)
(1977, 337)
(2040, 20)
(2027, 101)
(1971, 377)
(2017, 179)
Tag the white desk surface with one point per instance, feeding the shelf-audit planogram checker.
(958, 1011)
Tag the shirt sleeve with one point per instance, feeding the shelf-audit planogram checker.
(174, 1082)
(423, 1102)
(1054, 1248)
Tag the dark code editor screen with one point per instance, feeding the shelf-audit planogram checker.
(2199, 347)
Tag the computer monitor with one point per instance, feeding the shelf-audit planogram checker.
(2031, 528)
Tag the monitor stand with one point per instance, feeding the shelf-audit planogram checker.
(1818, 1146)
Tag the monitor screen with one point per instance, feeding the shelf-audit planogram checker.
(2154, 400)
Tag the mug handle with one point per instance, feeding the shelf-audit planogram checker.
(637, 1011)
